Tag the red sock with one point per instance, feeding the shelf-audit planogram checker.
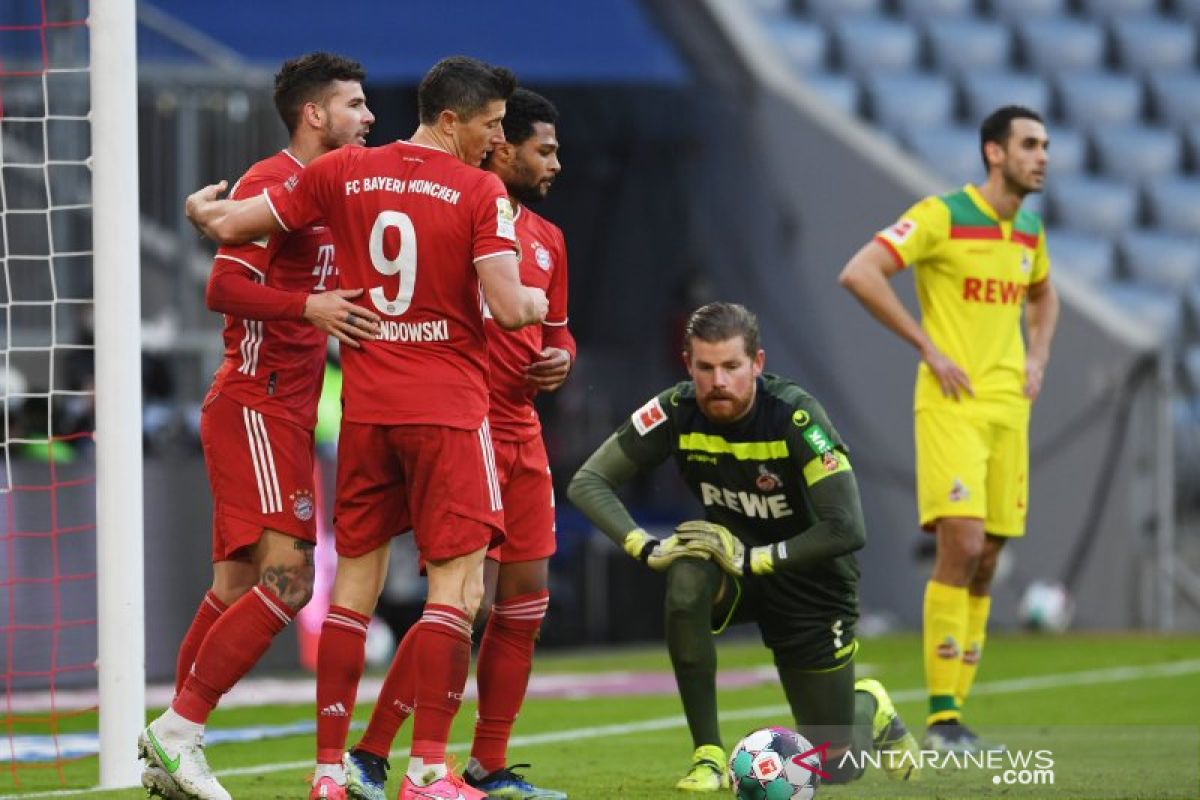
(340, 660)
(397, 698)
(210, 611)
(233, 645)
(440, 656)
(505, 659)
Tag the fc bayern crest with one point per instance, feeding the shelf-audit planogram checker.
(302, 505)
(542, 256)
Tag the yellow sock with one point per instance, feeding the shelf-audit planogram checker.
(945, 631)
(977, 617)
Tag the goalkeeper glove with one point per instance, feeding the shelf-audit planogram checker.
(658, 554)
(719, 544)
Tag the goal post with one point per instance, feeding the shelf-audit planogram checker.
(121, 647)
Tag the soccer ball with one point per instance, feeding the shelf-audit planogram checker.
(767, 765)
(1046, 607)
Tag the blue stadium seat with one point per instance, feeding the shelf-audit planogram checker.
(1095, 205)
(1013, 10)
(924, 9)
(1083, 255)
(909, 100)
(984, 91)
(1175, 97)
(1114, 8)
(1068, 152)
(1153, 307)
(1135, 153)
(1055, 44)
(968, 43)
(1097, 98)
(803, 43)
(866, 44)
(1165, 260)
(832, 9)
(1154, 42)
(1188, 9)
(841, 90)
(1174, 203)
(951, 152)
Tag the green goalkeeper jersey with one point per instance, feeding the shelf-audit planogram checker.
(780, 476)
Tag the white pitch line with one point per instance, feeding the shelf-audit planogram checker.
(1032, 683)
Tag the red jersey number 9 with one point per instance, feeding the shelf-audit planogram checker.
(405, 262)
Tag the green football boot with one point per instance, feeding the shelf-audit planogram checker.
(708, 773)
(901, 755)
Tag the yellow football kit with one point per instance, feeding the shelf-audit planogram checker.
(973, 271)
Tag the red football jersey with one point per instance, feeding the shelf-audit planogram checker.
(544, 265)
(409, 223)
(276, 367)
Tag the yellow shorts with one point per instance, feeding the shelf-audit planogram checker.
(970, 467)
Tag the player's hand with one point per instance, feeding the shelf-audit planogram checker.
(658, 554)
(333, 313)
(201, 204)
(539, 303)
(951, 376)
(550, 370)
(716, 542)
(1035, 370)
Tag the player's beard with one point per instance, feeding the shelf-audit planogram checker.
(730, 411)
(525, 188)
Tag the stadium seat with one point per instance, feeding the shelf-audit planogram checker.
(1153, 42)
(1083, 255)
(803, 43)
(984, 91)
(1095, 205)
(1097, 98)
(968, 43)
(1055, 44)
(1013, 10)
(866, 44)
(1175, 97)
(924, 9)
(1135, 153)
(841, 90)
(1154, 308)
(1166, 260)
(1188, 9)
(1113, 8)
(828, 10)
(953, 153)
(1068, 151)
(1174, 203)
(909, 100)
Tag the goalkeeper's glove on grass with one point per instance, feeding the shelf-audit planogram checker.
(718, 543)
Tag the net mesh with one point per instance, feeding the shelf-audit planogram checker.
(47, 489)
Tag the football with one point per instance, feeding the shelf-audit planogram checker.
(1046, 607)
(774, 764)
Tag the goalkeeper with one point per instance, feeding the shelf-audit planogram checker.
(782, 522)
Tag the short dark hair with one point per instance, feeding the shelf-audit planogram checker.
(720, 322)
(306, 79)
(463, 85)
(998, 126)
(524, 110)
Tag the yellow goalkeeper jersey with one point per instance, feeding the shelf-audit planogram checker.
(973, 271)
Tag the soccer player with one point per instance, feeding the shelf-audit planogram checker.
(979, 259)
(421, 230)
(280, 300)
(524, 362)
(782, 520)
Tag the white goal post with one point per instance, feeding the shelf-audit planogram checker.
(116, 276)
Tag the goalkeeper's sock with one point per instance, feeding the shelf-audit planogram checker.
(944, 633)
(234, 644)
(397, 697)
(978, 609)
(502, 671)
(210, 610)
(340, 660)
(440, 657)
(692, 584)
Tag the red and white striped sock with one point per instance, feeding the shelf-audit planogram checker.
(439, 657)
(341, 655)
(210, 610)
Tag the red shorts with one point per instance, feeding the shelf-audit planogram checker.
(438, 482)
(528, 493)
(260, 469)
